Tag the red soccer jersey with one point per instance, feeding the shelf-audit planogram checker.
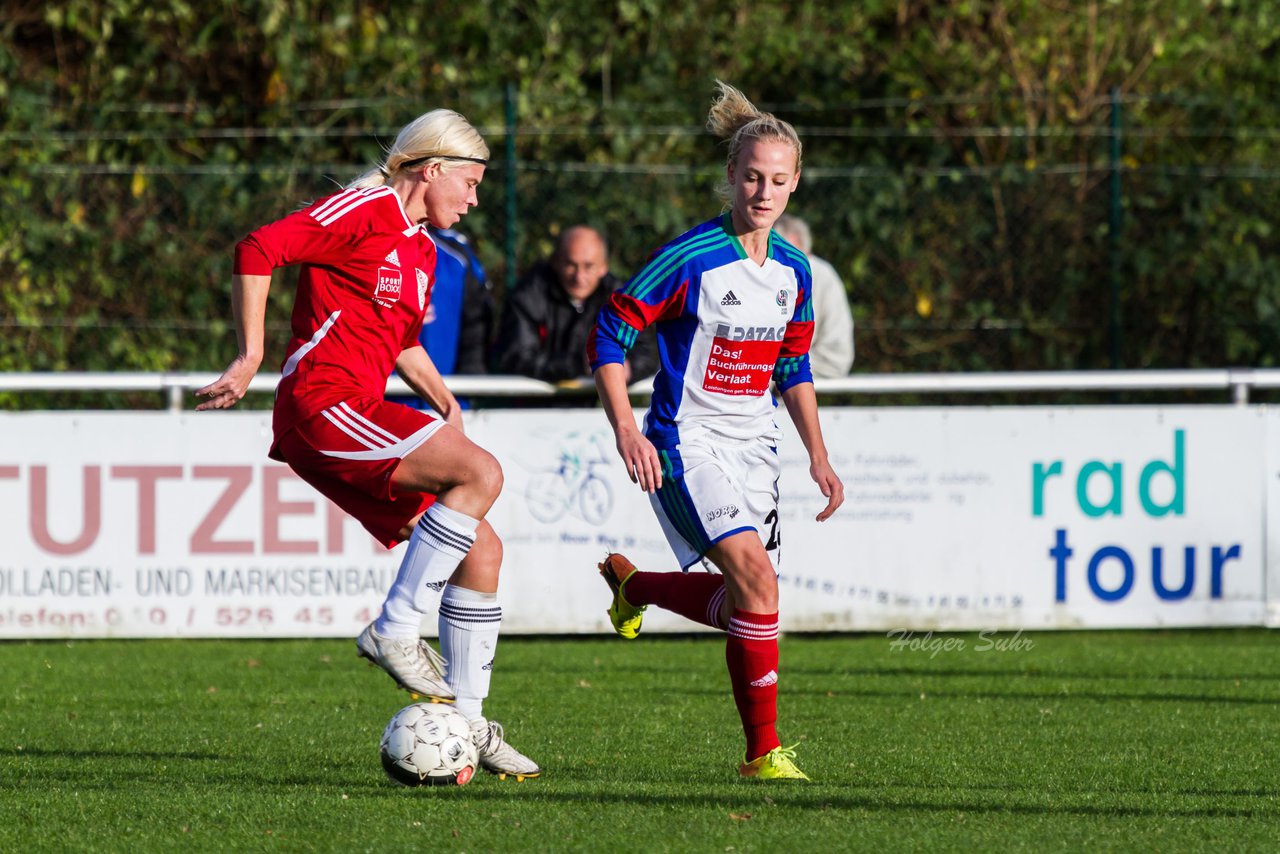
(362, 293)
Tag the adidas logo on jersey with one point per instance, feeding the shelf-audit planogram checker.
(730, 299)
(770, 678)
(392, 258)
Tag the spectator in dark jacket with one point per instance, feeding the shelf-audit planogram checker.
(549, 314)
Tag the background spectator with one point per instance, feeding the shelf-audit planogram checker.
(547, 317)
(831, 353)
(459, 321)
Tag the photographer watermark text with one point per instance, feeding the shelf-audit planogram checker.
(989, 640)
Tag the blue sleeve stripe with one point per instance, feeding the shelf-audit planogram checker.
(805, 314)
(659, 268)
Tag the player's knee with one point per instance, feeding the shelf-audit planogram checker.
(485, 474)
(497, 551)
(763, 578)
(488, 540)
(757, 574)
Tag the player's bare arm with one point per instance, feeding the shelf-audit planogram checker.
(416, 368)
(249, 307)
(637, 452)
(802, 404)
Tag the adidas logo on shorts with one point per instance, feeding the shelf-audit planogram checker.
(730, 299)
(770, 678)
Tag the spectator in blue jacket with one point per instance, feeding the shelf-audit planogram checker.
(459, 321)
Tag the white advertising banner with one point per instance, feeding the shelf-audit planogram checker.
(1031, 518)
(1271, 472)
(159, 524)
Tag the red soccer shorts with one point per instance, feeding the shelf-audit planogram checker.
(348, 453)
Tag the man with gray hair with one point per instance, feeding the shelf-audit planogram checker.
(831, 353)
(548, 316)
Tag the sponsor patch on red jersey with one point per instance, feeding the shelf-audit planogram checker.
(390, 283)
(740, 367)
(424, 288)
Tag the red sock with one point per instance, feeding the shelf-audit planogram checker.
(695, 595)
(752, 655)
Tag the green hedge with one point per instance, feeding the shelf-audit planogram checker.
(959, 160)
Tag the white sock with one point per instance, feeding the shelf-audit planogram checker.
(469, 623)
(439, 542)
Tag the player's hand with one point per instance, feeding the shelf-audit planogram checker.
(454, 419)
(226, 391)
(829, 482)
(641, 459)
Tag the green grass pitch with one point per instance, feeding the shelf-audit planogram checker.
(1117, 740)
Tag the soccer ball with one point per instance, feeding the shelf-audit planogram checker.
(429, 744)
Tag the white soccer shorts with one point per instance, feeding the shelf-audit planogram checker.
(715, 486)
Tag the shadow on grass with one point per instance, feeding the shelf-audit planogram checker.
(941, 670)
(825, 802)
(1195, 792)
(821, 797)
(108, 769)
(942, 687)
(946, 693)
(148, 755)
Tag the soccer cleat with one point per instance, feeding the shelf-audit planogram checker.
(625, 617)
(416, 667)
(777, 764)
(499, 757)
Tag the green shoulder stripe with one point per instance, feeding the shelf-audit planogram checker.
(790, 251)
(674, 256)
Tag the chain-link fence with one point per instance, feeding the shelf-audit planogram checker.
(1137, 236)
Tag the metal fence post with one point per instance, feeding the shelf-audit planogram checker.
(509, 110)
(1116, 223)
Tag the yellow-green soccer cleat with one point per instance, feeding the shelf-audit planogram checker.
(625, 617)
(777, 764)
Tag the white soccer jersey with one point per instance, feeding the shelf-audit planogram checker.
(726, 326)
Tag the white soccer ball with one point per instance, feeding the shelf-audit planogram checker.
(429, 744)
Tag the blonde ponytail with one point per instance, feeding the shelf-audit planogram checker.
(733, 117)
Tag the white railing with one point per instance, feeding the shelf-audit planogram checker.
(178, 388)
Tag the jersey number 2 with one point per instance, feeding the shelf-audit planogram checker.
(775, 540)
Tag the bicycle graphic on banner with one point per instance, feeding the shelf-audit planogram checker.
(573, 486)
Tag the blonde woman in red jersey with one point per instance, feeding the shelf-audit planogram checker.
(367, 268)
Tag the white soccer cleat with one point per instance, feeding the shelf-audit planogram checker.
(416, 667)
(498, 757)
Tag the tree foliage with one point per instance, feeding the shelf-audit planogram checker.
(959, 159)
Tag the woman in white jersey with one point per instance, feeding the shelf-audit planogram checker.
(731, 301)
